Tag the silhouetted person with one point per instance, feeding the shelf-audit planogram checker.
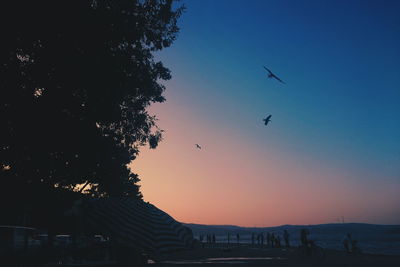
(237, 238)
(262, 239)
(278, 241)
(267, 119)
(273, 240)
(271, 75)
(268, 239)
(252, 239)
(229, 238)
(213, 238)
(347, 242)
(354, 247)
(304, 237)
(286, 238)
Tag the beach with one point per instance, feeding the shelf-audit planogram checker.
(248, 256)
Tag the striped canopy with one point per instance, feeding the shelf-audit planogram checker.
(137, 223)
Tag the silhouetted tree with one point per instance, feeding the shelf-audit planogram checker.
(76, 79)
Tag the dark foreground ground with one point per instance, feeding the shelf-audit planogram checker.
(246, 256)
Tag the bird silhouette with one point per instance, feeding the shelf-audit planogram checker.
(198, 146)
(267, 119)
(271, 75)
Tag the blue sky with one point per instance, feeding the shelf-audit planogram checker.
(340, 60)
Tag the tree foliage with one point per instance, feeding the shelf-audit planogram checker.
(75, 89)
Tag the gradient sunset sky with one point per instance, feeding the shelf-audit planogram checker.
(332, 148)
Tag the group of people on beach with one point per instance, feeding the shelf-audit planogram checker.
(210, 239)
(272, 239)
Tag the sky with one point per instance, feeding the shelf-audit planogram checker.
(332, 148)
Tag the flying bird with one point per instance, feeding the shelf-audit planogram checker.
(271, 75)
(198, 146)
(267, 119)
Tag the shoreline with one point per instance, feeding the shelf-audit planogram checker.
(247, 256)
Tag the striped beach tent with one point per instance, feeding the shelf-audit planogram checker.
(138, 223)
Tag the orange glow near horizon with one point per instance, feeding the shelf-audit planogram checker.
(232, 180)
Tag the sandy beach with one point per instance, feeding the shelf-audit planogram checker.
(247, 256)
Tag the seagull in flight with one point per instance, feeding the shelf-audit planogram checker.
(198, 146)
(271, 75)
(267, 119)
